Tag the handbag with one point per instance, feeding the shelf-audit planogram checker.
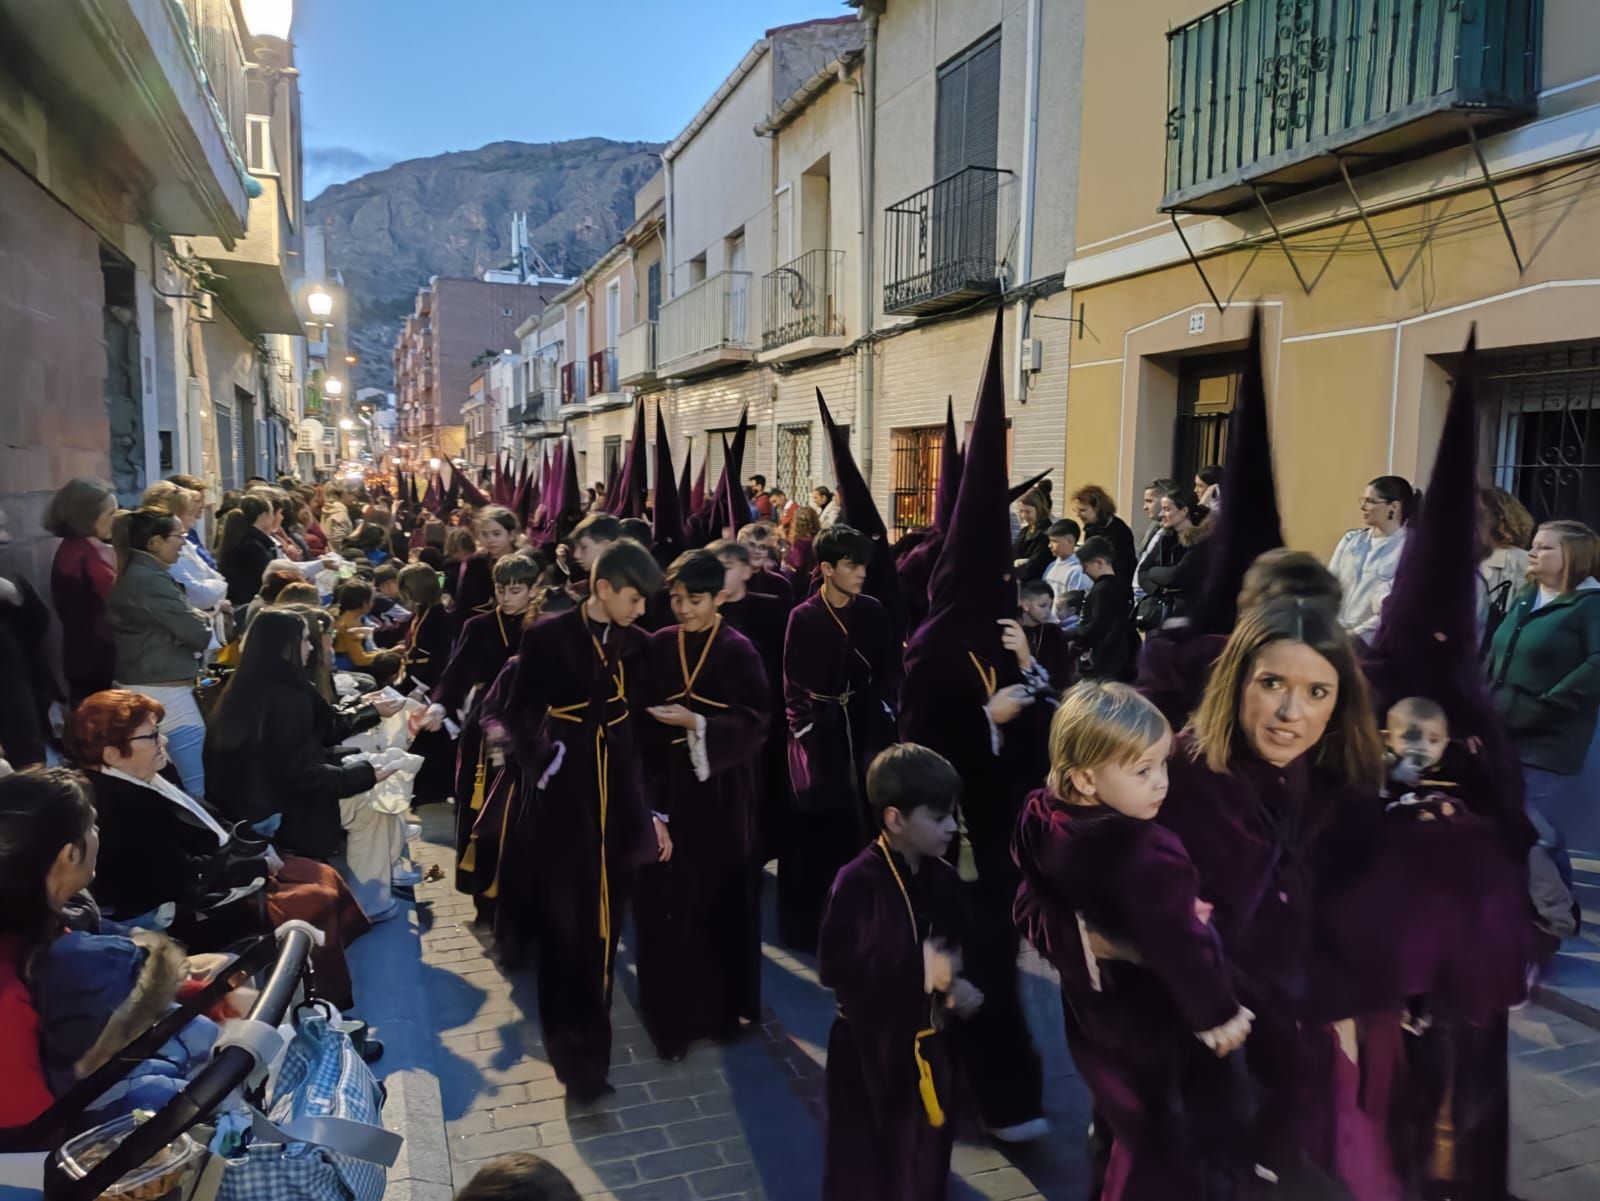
(322, 1137)
(209, 687)
(1151, 611)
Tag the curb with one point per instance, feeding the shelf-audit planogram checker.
(1567, 1005)
(387, 968)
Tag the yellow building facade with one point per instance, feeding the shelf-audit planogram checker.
(1480, 203)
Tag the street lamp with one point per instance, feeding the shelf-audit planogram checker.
(346, 424)
(269, 18)
(319, 302)
(335, 387)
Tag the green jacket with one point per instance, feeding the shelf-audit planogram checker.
(1544, 669)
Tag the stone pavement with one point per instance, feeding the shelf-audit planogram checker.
(743, 1121)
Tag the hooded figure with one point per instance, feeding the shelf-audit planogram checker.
(629, 501)
(1175, 664)
(685, 488)
(971, 697)
(666, 530)
(859, 511)
(916, 552)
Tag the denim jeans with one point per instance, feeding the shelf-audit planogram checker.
(185, 729)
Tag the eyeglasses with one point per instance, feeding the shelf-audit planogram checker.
(154, 737)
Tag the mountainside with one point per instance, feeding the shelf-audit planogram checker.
(389, 231)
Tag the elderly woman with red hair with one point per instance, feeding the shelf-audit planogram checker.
(159, 846)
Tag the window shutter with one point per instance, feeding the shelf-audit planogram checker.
(653, 290)
(983, 106)
(949, 123)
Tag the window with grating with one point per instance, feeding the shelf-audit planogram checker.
(913, 475)
(1544, 403)
(794, 459)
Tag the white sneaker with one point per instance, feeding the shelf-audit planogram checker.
(1022, 1132)
(405, 877)
(413, 830)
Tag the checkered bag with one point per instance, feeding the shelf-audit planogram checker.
(325, 1092)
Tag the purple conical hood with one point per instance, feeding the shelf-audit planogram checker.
(685, 486)
(666, 526)
(697, 495)
(1018, 491)
(944, 499)
(613, 477)
(731, 511)
(631, 486)
(859, 511)
(568, 510)
(1248, 524)
(971, 588)
(464, 488)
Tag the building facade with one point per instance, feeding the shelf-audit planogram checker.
(1371, 226)
(150, 172)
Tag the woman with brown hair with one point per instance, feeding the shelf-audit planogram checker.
(1277, 773)
(81, 576)
(1505, 529)
(1030, 551)
(801, 559)
(1097, 513)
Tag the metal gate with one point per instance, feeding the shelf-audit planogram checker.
(794, 459)
(1544, 403)
(913, 475)
(1207, 389)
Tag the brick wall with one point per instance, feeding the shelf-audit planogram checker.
(52, 361)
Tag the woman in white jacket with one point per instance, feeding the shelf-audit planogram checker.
(202, 583)
(1365, 560)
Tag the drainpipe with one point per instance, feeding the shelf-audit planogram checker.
(1030, 172)
(868, 125)
(670, 269)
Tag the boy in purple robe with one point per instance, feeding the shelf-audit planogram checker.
(837, 681)
(1093, 859)
(890, 949)
(486, 641)
(762, 620)
(698, 915)
(571, 716)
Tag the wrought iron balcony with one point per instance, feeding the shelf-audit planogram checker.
(636, 354)
(707, 326)
(1275, 94)
(603, 373)
(945, 245)
(574, 383)
(801, 300)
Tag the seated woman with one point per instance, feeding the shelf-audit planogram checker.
(269, 739)
(71, 994)
(161, 846)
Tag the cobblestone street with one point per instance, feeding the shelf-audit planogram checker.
(743, 1121)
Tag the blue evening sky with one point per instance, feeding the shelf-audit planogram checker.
(385, 80)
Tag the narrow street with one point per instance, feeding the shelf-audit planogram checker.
(742, 1121)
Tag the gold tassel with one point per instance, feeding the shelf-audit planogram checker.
(930, 1094)
(479, 780)
(469, 857)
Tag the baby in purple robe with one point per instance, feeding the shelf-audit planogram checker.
(1109, 896)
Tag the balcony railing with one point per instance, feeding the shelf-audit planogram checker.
(1268, 93)
(712, 315)
(946, 244)
(603, 372)
(574, 383)
(636, 353)
(801, 300)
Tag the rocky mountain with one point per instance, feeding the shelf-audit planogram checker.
(389, 231)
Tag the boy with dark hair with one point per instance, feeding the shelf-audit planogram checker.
(352, 637)
(636, 528)
(576, 557)
(486, 641)
(1045, 639)
(1104, 638)
(386, 607)
(838, 689)
(518, 1177)
(699, 915)
(1065, 574)
(890, 949)
(571, 714)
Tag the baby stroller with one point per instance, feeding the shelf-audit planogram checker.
(338, 1155)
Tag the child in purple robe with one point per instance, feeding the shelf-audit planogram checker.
(571, 715)
(698, 916)
(1096, 865)
(890, 948)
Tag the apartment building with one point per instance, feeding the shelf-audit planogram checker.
(150, 176)
(1376, 178)
(456, 326)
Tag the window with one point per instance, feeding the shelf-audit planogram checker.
(697, 270)
(913, 475)
(652, 290)
(794, 459)
(611, 456)
(613, 311)
(505, 310)
(1545, 405)
(258, 132)
(1208, 386)
(967, 117)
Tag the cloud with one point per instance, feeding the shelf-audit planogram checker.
(327, 165)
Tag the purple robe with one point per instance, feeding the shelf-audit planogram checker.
(470, 585)
(774, 584)
(880, 1144)
(486, 641)
(762, 619)
(698, 915)
(427, 640)
(1130, 1027)
(572, 715)
(837, 685)
(942, 707)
